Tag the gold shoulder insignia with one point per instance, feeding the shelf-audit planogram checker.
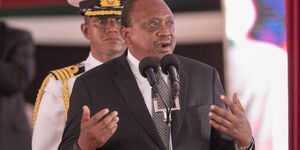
(67, 72)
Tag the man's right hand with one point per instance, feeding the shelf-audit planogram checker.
(96, 130)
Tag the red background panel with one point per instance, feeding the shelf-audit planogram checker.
(30, 3)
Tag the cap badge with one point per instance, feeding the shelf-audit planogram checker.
(110, 3)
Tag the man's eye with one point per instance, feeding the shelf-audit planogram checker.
(102, 21)
(119, 20)
(170, 23)
(152, 25)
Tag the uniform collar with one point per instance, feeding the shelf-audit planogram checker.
(91, 62)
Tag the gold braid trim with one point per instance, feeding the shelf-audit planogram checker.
(66, 72)
(62, 74)
(66, 95)
(103, 12)
(39, 97)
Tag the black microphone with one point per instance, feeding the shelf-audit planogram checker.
(148, 69)
(170, 65)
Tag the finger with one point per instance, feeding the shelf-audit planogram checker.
(236, 100)
(107, 120)
(113, 123)
(220, 120)
(110, 129)
(222, 112)
(85, 114)
(99, 115)
(109, 132)
(233, 108)
(219, 127)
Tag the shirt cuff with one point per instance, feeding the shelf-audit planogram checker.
(250, 146)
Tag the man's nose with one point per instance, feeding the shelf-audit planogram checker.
(113, 25)
(164, 31)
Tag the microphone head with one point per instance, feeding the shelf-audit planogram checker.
(146, 63)
(169, 60)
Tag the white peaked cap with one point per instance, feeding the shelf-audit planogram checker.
(74, 3)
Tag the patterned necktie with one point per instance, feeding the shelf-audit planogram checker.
(158, 118)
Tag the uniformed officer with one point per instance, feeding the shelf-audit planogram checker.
(101, 27)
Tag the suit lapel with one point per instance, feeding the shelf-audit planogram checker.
(179, 115)
(134, 99)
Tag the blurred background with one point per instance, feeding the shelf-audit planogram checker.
(244, 39)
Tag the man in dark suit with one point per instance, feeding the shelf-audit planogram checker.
(17, 71)
(149, 30)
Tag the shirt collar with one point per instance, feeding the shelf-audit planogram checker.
(91, 62)
(134, 65)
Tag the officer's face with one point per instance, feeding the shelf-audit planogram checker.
(151, 30)
(104, 36)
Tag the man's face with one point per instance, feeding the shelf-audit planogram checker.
(151, 31)
(104, 36)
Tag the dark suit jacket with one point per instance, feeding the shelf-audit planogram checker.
(113, 85)
(16, 72)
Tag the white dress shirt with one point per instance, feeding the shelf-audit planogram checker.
(142, 82)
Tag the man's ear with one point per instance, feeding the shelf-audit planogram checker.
(125, 32)
(84, 29)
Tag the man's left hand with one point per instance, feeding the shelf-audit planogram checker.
(231, 121)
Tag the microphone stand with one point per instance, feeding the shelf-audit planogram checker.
(167, 111)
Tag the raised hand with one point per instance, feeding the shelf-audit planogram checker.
(96, 130)
(231, 121)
